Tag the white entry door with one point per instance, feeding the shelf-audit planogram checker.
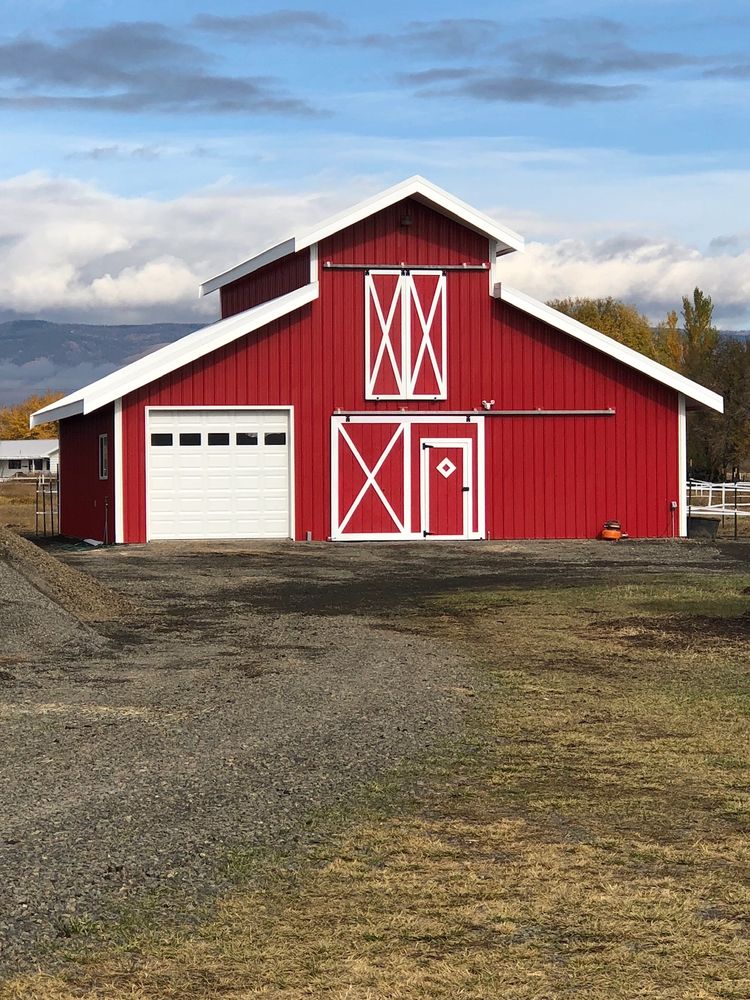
(218, 473)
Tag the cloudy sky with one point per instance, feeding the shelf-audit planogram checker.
(148, 146)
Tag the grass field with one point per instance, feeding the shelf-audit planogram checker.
(587, 837)
(18, 503)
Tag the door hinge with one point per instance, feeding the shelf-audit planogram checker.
(427, 445)
(466, 488)
(425, 533)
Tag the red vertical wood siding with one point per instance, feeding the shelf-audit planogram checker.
(84, 497)
(546, 477)
(266, 283)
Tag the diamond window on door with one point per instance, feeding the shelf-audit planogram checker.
(446, 468)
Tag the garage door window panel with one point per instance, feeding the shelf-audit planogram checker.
(218, 439)
(244, 438)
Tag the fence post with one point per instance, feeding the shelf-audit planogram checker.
(735, 510)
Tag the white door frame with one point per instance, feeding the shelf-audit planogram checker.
(436, 314)
(407, 420)
(465, 445)
(180, 408)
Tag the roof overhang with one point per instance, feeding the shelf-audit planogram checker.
(415, 187)
(633, 359)
(167, 359)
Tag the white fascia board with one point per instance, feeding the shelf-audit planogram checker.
(421, 189)
(247, 267)
(414, 187)
(599, 341)
(182, 352)
(68, 406)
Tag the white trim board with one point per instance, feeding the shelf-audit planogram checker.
(682, 471)
(117, 467)
(415, 187)
(182, 352)
(626, 355)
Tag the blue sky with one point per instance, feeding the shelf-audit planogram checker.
(149, 145)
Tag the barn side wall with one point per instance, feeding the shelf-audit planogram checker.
(546, 477)
(266, 283)
(84, 498)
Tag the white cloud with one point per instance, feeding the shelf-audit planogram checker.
(71, 251)
(68, 250)
(42, 375)
(654, 275)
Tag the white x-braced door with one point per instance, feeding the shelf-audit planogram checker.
(405, 335)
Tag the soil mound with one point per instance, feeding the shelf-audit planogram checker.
(80, 595)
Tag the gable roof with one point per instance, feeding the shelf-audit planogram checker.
(414, 187)
(28, 448)
(195, 345)
(215, 336)
(599, 341)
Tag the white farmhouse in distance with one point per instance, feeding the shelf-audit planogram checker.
(28, 457)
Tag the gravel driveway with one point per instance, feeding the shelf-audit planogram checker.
(255, 684)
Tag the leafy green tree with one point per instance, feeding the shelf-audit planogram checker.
(613, 318)
(719, 444)
(700, 336)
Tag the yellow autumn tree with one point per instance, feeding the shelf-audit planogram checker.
(14, 420)
(670, 342)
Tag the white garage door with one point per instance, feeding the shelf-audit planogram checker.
(218, 473)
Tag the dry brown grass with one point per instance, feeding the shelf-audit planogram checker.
(17, 504)
(587, 839)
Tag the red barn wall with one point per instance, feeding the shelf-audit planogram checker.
(266, 283)
(84, 498)
(549, 477)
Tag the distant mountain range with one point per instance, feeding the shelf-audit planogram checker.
(67, 344)
(37, 356)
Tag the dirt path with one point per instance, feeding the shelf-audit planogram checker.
(255, 685)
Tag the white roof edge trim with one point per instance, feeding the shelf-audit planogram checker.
(61, 411)
(266, 257)
(634, 359)
(173, 356)
(413, 187)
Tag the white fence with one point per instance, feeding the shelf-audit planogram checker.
(718, 498)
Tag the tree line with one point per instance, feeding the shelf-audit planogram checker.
(718, 445)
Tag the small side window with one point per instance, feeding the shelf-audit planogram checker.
(272, 438)
(104, 456)
(161, 440)
(14, 463)
(218, 439)
(244, 438)
(190, 439)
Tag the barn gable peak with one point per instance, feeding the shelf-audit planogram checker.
(416, 187)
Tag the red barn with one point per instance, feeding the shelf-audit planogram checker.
(375, 378)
